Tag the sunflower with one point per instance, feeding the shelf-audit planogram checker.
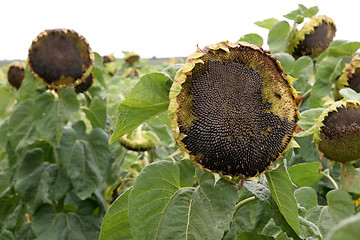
(232, 110)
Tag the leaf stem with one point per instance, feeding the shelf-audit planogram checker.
(331, 179)
(243, 202)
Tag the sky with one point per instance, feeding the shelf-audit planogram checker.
(160, 28)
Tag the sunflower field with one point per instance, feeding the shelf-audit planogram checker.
(246, 139)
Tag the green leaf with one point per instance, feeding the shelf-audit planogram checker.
(302, 11)
(52, 113)
(349, 94)
(98, 74)
(306, 198)
(253, 236)
(340, 206)
(115, 225)
(282, 192)
(308, 119)
(264, 195)
(21, 130)
(252, 38)
(47, 224)
(148, 98)
(37, 180)
(160, 209)
(350, 178)
(267, 23)
(287, 61)
(305, 174)
(278, 37)
(303, 71)
(85, 159)
(97, 112)
(344, 49)
(327, 71)
(346, 229)
(7, 100)
(308, 229)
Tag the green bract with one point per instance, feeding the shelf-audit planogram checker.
(232, 111)
(314, 38)
(337, 131)
(60, 58)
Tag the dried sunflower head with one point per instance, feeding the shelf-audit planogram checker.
(232, 111)
(108, 58)
(16, 74)
(337, 131)
(131, 57)
(85, 85)
(60, 57)
(314, 38)
(350, 77)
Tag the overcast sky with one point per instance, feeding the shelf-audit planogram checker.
(161, 28)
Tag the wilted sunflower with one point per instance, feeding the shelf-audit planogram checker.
(131, 57)
(16, 74)
(60, 57)
(350, 77)
(314, 38)
(337, 131)
(232, 111)
(108, 58)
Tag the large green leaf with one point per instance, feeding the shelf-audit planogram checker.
(48, 224)
(21, 130)
(97, 112)
(305, 174)
(281, 189)
(160, 209)
(340, 206)
(346, 229)
(278, 37)
(303, 71)
(302, 11)
(115, 225)
(84, 159)
(52, 113)
(37, 180)
(306, 198)
(287, 61)
(148, 98)
(267, 23)
(308, 120)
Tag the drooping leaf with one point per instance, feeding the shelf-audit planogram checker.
(160, 209)
(48, 224)
(148, 98)
(303, 71)
(305, 174)
(115, 225)
(267, 23)
(252, 38)
(308, 120)
(340, 206)
(84, 159)
(281, 189)
(349, 94)
(278, 37)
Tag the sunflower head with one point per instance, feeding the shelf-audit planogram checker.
(314, 38)
(16, 74)
(337, 131)
(131, 57)
(60, 58)
(108, 58)
(350, 77)
(232, 111)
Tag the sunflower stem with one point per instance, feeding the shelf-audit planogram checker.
(331, 179)
(243, 202)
